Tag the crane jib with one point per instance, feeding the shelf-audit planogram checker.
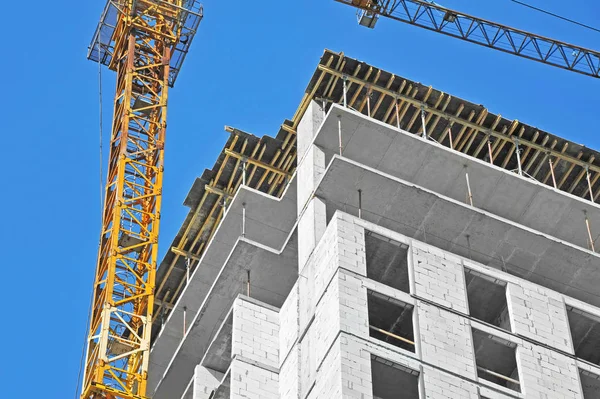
(483, 32)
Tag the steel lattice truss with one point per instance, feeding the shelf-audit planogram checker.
(145, 36)
(485, 33)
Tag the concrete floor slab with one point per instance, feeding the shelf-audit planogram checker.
(218, 354)
(438, 168)
(273, 273)
(467, 231)
(269, 222)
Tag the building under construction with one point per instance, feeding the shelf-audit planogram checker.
(391, 241)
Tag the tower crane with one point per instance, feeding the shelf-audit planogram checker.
(145, 42)
(428, 15)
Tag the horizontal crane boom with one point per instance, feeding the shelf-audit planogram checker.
(480, 31)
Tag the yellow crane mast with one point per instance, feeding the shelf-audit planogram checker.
(145, 42)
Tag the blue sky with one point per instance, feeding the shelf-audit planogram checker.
(248, 68)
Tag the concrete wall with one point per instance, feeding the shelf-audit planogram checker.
(539, 314)
(255, 350)
(252, 381)
(255, 333)
(318, 345)
(439, 277)
(333, 335)
(253, 371)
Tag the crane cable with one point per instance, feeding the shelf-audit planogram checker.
(101, 180)
(556, 16)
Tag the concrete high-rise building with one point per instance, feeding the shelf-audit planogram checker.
(392, 241)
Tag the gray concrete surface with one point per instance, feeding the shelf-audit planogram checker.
(467, 231)
(273, 275)
(269, 222)
(438, 168)
(218, 354)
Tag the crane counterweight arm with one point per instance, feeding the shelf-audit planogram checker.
(145, 42)
(480, 31)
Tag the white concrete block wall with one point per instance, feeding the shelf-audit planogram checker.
(325, 260)
(439, 277)
(328, 300)
(288, 323)
(310, 170)
(308, 360)
(249, 381)
(255, 332)
(354, 311)
(289, 382)
(308, 126)
(328, 380)
(539, 314)
(326, 324)
(316, 274)
(310, 228)
(205, 381)
(351, 244)
(324, 343)
(444, 339)
(343, 307)
(356, 369)
(317, 311)
(546, 374)
(340, 302)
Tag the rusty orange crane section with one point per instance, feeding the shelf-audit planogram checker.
(145, 42)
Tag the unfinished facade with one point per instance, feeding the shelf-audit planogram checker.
(391, 242)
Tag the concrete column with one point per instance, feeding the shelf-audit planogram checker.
(311, 166)
(308, 126)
